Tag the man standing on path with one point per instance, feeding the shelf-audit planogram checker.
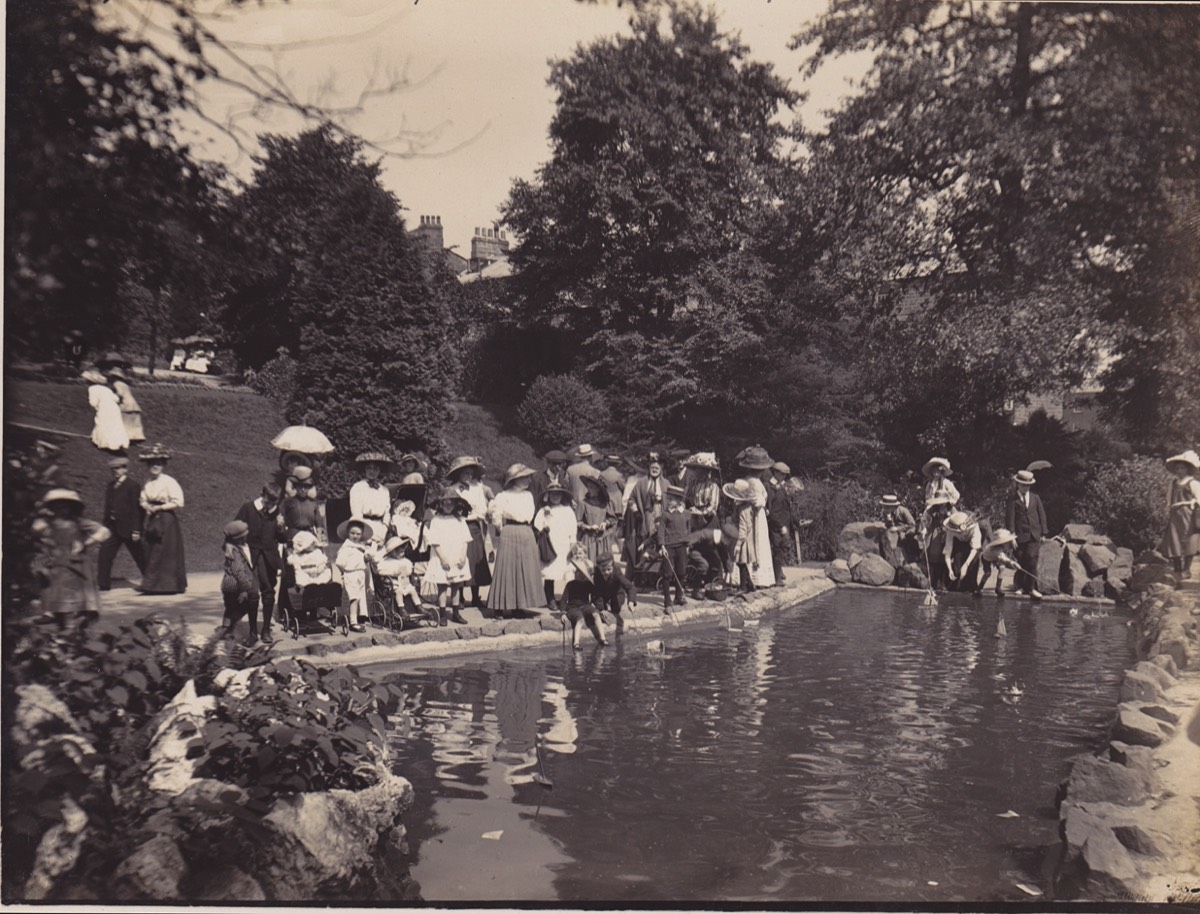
(581, 466)
(265, 531)
(555, 460)
(1027, 519)
(611, 474)
(123, 517)
(779, 516)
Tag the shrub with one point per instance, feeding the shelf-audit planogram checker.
(1127, 501)
(830, 506)
(276, 380)
(560, 410)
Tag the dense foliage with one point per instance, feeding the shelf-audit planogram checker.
(561, 410)
(1127, 500)
(336, 280)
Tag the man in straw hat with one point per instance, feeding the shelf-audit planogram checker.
(610, 472)
(579, 469)
(123, 518)
(898, 542)
(1181, 541)
(1027, 519)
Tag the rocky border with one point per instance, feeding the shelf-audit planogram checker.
(482, 636)
(1129, 817)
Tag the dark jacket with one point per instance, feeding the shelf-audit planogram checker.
(1029, 524)
(239, 576)
(122, 512)
(674, 528)
(606, 588)
(779, 508)
(264, 536)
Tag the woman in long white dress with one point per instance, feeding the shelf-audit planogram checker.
(754, 463)
(131, 412)
(108, 431)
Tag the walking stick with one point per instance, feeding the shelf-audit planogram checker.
(679, 584)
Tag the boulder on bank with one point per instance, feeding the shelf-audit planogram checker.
(1097, 780)
(1099, 539)
(874, 570)
(912, 575)
(1049, 564)
(1138, 728)
(1096, 558)
(1073, 576)
(861, 537)
(838, 572)
(1078, 533)
(1146, 576)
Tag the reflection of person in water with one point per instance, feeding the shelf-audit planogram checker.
(518, 689)
(562, 732)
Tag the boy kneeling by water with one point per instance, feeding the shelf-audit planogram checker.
(613, 589)
(582, 601)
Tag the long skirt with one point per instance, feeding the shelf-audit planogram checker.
(517, 580)
(764, 575)
(598, 544)
(133, 426)
(1179, 540)
(163, 543)
(477, 562)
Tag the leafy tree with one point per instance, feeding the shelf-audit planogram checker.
(1006, 201)
(560, 410)
(330, 273)
(638, 236)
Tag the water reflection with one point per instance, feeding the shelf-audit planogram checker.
(855, 748)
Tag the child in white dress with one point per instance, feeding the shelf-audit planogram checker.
(351, 561)
(558, 517)
(448, 537)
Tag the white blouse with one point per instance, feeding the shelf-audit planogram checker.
(511, 505)
(370, 501)
(477, 496)
(162, 491)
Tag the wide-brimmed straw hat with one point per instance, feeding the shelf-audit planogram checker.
(1002, 537)
(959, 521)
(62, 495)
(301, 459)
(369, 530)
(236, 528)
(452, 493)
(780, 467)
(738, 491)
(702, 460)
(303, 540)
(1190, 457)
(754, 458)
(515, 472)
(461, 463)
(937, 501)
(1023, 478)
(932, 462)
(890, 501)
(395, 541)
(584, 450)
(614, 458)
(156, 454)
(415, 459)
(375, 457)
(92, 376)
(568, 495)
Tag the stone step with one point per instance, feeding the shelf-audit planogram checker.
(1192, 585)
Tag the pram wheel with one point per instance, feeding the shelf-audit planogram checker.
(433, 616)
(378, 613)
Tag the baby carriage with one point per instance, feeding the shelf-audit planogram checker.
(395, 614)
(648, 574)
(303, 607)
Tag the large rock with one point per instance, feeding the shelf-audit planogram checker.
(1078, 533)
(1096, 558)
(170, 768)
(1049, 563)
(912, 575)
(861, 537)
(325, 840)
(1140, 686)
(1099, 539)
(1146, 576)
(152, 872)
(1137, 728)
(1151, 557)
(838, 571)
(874, 570)
(1096, 780)
(522, 627)
(1107, 866)
(1123, 559)
(1073, 576)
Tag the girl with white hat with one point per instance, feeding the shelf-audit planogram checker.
(937, 471)
(996, 554)
(1182, 539)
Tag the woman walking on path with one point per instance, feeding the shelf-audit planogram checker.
(63, 566)
(131, 413)
(518, 573)
(755, 463)
(108, 431)
(162, 539)
(1182, 539)
(466, 474)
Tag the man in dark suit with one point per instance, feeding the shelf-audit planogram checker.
(779, 516)
(265, 532)
(123, 517)
(1027, 519)
(554, 474)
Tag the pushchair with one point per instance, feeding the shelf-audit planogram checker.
(648, 574)
(387, 611)
(300, 608)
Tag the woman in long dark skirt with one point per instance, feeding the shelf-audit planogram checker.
(517, 578)
(466, 473)
(162, 539)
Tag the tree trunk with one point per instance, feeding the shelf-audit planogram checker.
(154, 327)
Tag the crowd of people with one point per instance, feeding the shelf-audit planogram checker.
(576, 536)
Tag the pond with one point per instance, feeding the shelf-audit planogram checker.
(856, 747)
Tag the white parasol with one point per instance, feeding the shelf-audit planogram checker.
(303, 439)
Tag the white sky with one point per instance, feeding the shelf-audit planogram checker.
(486, 94)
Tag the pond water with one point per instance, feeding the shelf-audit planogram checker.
(856, 747)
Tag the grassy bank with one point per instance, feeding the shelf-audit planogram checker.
(221, 439)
